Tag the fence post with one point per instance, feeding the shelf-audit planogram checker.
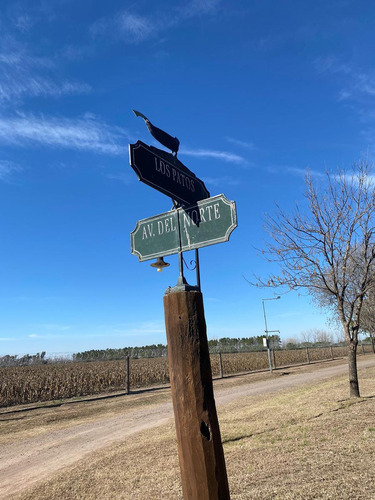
(363, 348)
(127, 378)
(307, 355)
(221, 366)
(274, 358)
(331, 353)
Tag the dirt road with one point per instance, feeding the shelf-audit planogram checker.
(35, 454)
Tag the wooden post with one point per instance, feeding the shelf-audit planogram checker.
(332, 353)
(200, 450)
(221, 365)
(274, 358)
(127, 380)
(363, 348)
(307, 355)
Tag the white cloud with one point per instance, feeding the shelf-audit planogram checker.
(135, 28)
(12, 87)
(221, 181)
(7, 169)
(196, 8)
(24, 23)
(23, 74)
(243, 144)
(54, 326)
(331, 64)
(121, 176)
(301, 172)
(129, 27)
(356, 81)
(82, 134)
(209, 153)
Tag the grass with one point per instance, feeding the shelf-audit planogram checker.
(306, 443)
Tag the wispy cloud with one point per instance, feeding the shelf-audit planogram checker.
(127, 26)
(7, 170)
(196, 8)
(121, 176)
(296, 171)
(301, 172)
(218, 155)
(26, 75)
(82, 134)
(24, 23)
(225, 180)
(131, 27)
(12, 87)
(54, 326)
(355, 82)
(243, 144)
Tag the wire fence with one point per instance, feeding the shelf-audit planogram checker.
(59, 380)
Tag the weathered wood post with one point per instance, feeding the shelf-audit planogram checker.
(274, 358)
(221, 373)
(332, 353)
(127, 380)
(307, 355)
(200, 450)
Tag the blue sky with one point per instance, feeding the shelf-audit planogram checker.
(256, 92)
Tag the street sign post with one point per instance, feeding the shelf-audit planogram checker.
(208, 222)
(201, 221)
(164, 172)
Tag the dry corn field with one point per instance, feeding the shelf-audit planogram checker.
(30, 384)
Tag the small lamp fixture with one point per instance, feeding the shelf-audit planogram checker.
(160, 264)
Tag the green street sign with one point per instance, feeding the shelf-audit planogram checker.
(155, 237)
(208, 222)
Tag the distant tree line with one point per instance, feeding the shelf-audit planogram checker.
(225, 344)
(147, 351)
(25, 360)
(228, 344)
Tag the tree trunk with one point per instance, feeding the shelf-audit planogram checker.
(353, 373)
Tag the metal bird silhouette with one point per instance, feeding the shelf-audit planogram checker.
(167, 140)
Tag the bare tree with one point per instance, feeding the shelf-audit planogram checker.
(328, 249)
(316, 335)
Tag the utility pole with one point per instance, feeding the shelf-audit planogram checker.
(267, 343)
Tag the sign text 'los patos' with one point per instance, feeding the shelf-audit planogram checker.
(208, 222)
(164, 172)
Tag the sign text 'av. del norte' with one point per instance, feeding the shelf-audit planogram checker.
(208, 222)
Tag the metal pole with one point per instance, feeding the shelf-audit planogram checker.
(268, 342)
(197, 270)
(265, 318)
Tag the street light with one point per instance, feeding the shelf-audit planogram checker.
(268, 331)
(160, 264)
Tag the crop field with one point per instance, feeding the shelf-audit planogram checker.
(48, 382)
